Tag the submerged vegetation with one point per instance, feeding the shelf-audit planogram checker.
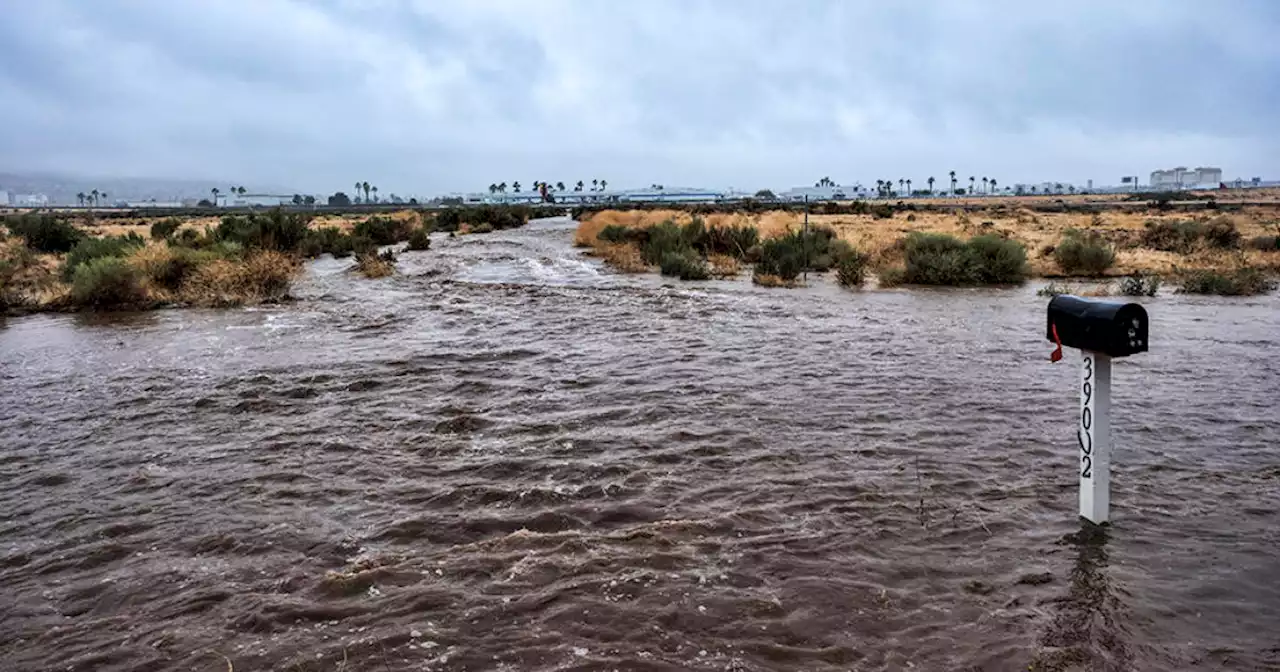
(938, 259)
(66, 262)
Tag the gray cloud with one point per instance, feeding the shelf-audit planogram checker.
(427, 96)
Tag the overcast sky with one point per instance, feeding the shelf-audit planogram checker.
(428, 96)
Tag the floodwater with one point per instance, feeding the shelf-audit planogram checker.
(509, 458)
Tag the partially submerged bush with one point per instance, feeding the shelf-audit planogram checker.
(1053, 289)
(165, 228)
(1240, 282)
(937, 259)
(625, 258)
(782, 258)
(851, 270)
(1265, 243)
(370, 264)
(45, 233)
(1221, 233)
(723, 265)
(684, 264)
(89, 249)
(383, 230)
(107, 282)
(1138, 284)
(168, 266)
(261, 275)
(614, 233)
(1084, 254)
(419, 240)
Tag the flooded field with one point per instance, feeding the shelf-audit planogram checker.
(508, 458)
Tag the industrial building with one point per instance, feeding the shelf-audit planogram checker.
(1183, 178)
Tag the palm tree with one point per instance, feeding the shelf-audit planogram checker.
(993, 184)
(971, 181)
(908, 186)
(595, 184)
(502, 187)
(1058, 187)
(901, 183)
(985, 182)
(516, 186)
(604, 184)
(559, 186)
(1071, 188)
(365, 186)
(213, 191)
(1033, 189)
(243, 190)
(375, 194)
(80, 197)
(104, 195)
(579, 186)
(880, 187)
(493, 188)
(357, 191)
(953, 183)
(930, 186)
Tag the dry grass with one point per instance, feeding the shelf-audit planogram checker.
(624, 258)
(262, 276)
(724, 266)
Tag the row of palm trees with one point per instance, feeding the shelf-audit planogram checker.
(596, 185)
(885, 187)
(239, 191)
(92, 197)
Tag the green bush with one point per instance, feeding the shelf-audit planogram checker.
(1084, 254)
(615, 234)
(89, 249)
(420, 239)
(734, 241)
(1140, 285)
(107, 282)
(661, 239)
(165, 228)
(1241, 282)
(483, 227)
(684, 264)
(882, 211)
(851, 269)
(276, 230)
(781, 257)
(382, 230)
(1176, 236)
(329, 239)
(937, 259)
(45, 233)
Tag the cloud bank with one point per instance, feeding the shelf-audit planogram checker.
(429, 96)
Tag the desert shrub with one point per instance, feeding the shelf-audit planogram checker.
(483, 227)
(276, 230)
(1138, 284)
(882, 211)
(107, 282)
(89, 249)
(169, 266)
(420, 239)
(45, 233)
(734, 241)
(851, 269)
(661, 239)
(614, 233)
(782, 258)
(695, 235)
(684, 264)
(892, 276)
(165, 228)
(997, 260)
(1172, 236)
(1084, 254)
(938, 259)
(383, 230)
(448, 220)
(1265, 243)
(370, 264)
(1221, 233)
(260, 275)
(1240, 282)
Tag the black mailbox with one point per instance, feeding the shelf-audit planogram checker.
(1109, 327)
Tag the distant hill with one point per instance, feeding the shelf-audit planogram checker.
(62, 188)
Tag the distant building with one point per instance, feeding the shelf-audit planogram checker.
(30, 200)
(834, 192)
(4, 198)
(1184, 178)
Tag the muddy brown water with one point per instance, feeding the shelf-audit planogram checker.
(508, 458)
